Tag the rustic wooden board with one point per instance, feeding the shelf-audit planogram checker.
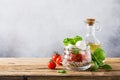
(72, 78)
(11, 78)
(36, 69)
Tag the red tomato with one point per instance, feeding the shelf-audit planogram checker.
(59, 60)
(75, 57)
(72, 57)
(55, 56)
(51, 64)
(79, 57)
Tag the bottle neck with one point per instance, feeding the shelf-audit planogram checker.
(91, 30)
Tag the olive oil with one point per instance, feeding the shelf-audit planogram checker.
(93, 47)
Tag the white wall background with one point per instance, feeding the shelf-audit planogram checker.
(36, 28)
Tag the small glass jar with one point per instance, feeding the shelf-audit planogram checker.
(76, 59)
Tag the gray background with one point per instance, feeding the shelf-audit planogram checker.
(36, 28)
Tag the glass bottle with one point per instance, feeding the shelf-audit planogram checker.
(90, 38)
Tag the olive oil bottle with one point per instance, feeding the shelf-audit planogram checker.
(90, 38)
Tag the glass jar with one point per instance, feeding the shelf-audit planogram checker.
(76, 59)
(91, 39)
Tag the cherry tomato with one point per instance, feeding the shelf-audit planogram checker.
(55, 56)
(72, 57)
(75, 57)
(51, 64)
(59, 60)
(79, 57)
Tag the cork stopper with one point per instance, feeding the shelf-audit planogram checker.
(90, 21)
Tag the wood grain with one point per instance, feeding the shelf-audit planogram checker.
(72, 78)
(11, 78)
(36, 69)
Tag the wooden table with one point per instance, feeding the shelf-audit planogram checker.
(36, 69)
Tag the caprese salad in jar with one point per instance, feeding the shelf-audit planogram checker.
(76, 54)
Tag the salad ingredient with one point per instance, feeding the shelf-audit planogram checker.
(79, 57)
(59, 60)
(95, 67)
(62, 71)
(75, 57)
(51, 64)
(67, 41)
(77, 38)
(69, 46)
(100, 54)
(106, 66)
(72, 41)
(97, 58)
(75, 50)
(55, 56)
(72, 57)
(81, 45)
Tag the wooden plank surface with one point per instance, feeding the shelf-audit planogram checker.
(37, 67)
(11, 78)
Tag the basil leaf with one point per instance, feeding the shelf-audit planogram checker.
(94, 58)
(106, 66)
(72, 41)
(62, 71)
(95, 67)
(97, 58)
(77, 38)
(99, 54)
(75, 51)
(67, 41)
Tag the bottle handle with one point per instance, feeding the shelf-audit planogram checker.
(97, 26)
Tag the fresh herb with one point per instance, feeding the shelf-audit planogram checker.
(106, 66)
(75, 50)
(67, 41)
(62, 71)
(77, 38)
(97, 58)
(95, 67)
(100, 54)
(72, 41)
